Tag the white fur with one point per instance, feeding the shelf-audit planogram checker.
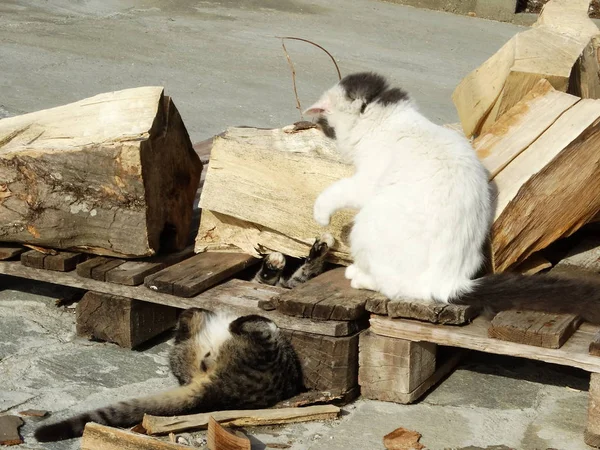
(214, 333)
(424, 200)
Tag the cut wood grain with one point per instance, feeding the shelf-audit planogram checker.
(61, 262)
(328, 363)
(8, 251)
(594, 347)
(573, 353)
(218, 438)
(113, 174)
(390, 366)
(101, 437)
(156, 425)
(198, 273)
(9, 430)
(563, 162)
(433, 312)
(592, 430)
(534, 328)
(272, 178)
(328, 296)
(559, 47)
(121, 320)
(239, 297)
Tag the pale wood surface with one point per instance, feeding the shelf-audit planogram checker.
(592, 430)
(550, 49)
(474, 336)
(521, 126)
(101, 437)
(584, 256)
(272, 178)
(241, 418)
(218, 438)
(240, 297)
(389, 366)
(534, 328)
(103, 175)
(550, 189)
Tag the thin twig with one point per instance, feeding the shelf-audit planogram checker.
(289, 60)
(316, 45)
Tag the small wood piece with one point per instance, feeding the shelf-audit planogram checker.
(113, 175)
(218, 438)
(156, 425)
(8, 251)
(328, 363)
(377, 304)
(328, 296)
(198, 273)
(121, 320)
(311, 398)
(402, 439)
(573, 353)
(60, 262)
(441, 313)
(534, 328)
(592, 431)
(9, 430)
(595, 345)
(101, 437)
(34, 413)
(389, 366)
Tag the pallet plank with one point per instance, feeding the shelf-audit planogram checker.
(99, 272)
(474, 336)
(594, 347)
(534, 328)
(133, 273)
(433, 312)
(63, 261)
(33, 258)
(8, 251)
(325, 297)
(241, 297)
(198, 273)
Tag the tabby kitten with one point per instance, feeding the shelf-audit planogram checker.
(221, 363)
(273, 265)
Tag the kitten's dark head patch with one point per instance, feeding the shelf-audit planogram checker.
(364, 86)
(392, 96)
(326, 128)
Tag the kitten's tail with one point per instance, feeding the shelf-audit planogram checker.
(546, 293)
(128, 413)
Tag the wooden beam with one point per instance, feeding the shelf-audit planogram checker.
(534, 328)
(156, 425)
(573, 353)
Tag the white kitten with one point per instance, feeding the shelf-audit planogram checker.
(423, 196)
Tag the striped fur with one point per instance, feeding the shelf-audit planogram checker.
(221, 363)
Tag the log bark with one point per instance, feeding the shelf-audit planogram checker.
(113, 175)
(561, 47)
(260, 188)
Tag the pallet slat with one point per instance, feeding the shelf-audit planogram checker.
(61, 262)
(8, 251)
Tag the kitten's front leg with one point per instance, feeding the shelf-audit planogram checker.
(341, 194)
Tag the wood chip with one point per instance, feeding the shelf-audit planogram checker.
(9, 430)
(402, 439)
(221, 439)
(34, 413)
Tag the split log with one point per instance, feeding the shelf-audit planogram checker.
(156, 425)
(561, 47)
(113, 175)
(260, 189)
(101, 437)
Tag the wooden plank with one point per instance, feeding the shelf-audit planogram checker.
(377, 304)
(63, 261)
(325, 297)
(237, 296)
(534, 328)
(591, 435)
(33, 258)
(121, 320)
(85, 268)
(390, 366)
(441, 313)
(328, 363)
(594, 347)
(156, 425)
(132, 273)
(218, 438)
(9, 430)
(573, 353)
(198, 273)
(8, 251)
(101, 437)
(584, 256)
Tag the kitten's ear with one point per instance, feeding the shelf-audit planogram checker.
(321, 107)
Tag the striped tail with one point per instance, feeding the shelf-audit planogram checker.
(124, 414)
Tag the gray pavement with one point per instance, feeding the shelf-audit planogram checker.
(220, 62)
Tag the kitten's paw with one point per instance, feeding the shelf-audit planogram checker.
(321, 212)
(321, 246)
(275, 261)
(350, 272)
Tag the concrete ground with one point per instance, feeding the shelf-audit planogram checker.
(220, 62)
